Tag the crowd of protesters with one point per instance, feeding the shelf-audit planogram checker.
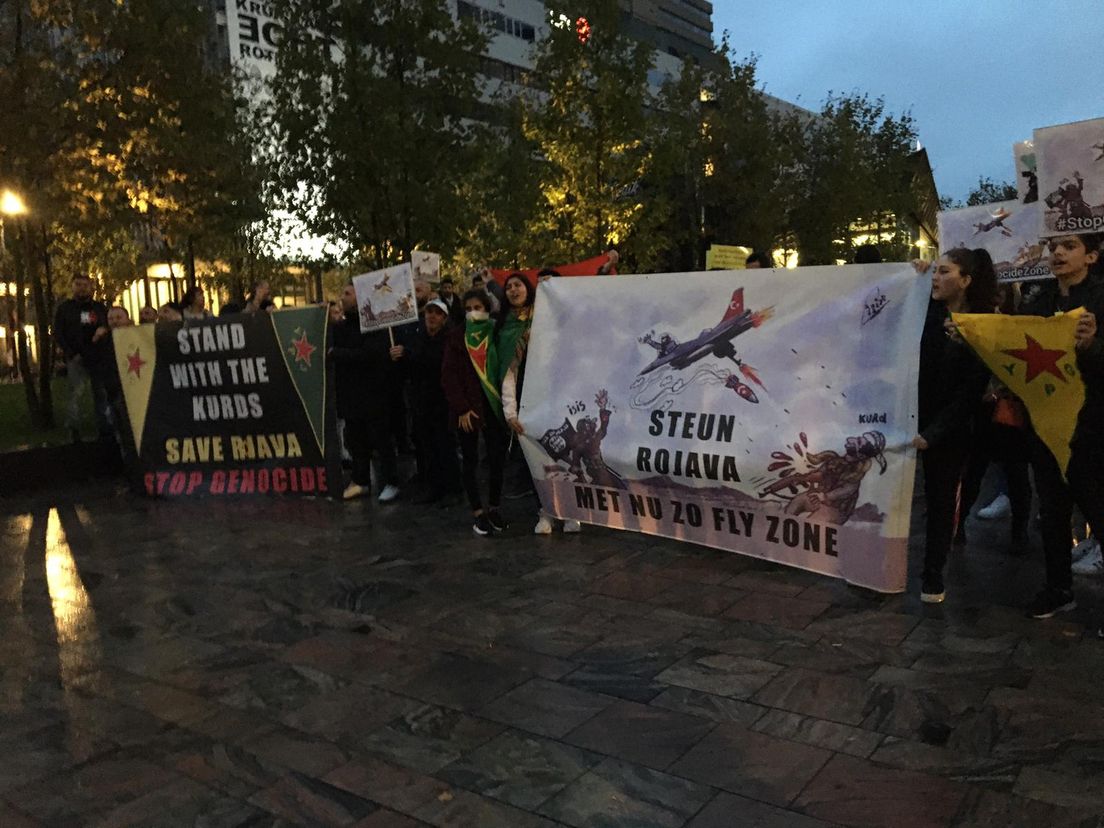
(451, 386)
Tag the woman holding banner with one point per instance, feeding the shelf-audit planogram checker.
(952, 382)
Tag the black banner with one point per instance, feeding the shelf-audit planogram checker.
(240, 405)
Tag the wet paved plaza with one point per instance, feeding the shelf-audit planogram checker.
(311, 663)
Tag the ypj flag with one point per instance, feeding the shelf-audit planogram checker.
(1034, 356)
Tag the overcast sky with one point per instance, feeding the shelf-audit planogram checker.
(977, 76)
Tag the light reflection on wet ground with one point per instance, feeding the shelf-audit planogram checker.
(317, 663)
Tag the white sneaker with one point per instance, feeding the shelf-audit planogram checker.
(1086, 547)
(389, 493)
(543, 527)
(354, 490)
(571, 527)
(1000, 507)
(1091, 565)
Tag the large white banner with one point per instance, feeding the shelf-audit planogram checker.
(767, 412)
(1009, 230)
(1070, 160)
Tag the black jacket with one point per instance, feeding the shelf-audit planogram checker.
(952, 382)
(1090, 295)
(363, 370)
(74, 324)
(425, 354)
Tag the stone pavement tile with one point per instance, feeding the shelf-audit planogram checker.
(351, 655)
(849, 656)
(232, 726)
(429, 738)
(752, 764)
(546, 707)
(600, 602)
(639, 733)
(483, 623)
(822, 695)
(619, 793)
(380, 781)
(708, 567)
(11, 818)
(225, 767)
(697, 598)
(708, 706)
(727, 810)
(874, 625)
(778, 610)
(349, 713)
(832, 736)
(724, 641)
(47, 751)
(462, 682)
(160, 700)
(982, 808)
(500, 653)
(947, 762)
(856, 792)
(720, 674)
(775, 581)
(182, 803)
(292, 749)
(460, 809)
(308, 801)
(1033, 729)
(554, 637)
(519, 769)
(1085, 791)
(385, 818)
(217, 674)
(942, 637)
(97, 786)
(967, 688)
(274, 688)
(630, 586)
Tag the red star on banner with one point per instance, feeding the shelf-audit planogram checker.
(303, 349)
(1039, 360)
(135, 363)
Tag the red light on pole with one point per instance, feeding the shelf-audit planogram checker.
(582, 29)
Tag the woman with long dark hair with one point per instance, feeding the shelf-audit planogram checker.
(194, 305)
(952, 382)
(474, 409)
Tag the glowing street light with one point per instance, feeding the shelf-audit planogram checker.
(11, 204)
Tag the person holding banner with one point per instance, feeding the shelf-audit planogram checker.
(1071, 258)
(475, 408)
(952, 382)
(362, 371)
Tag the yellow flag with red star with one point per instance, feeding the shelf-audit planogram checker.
(1034, 356)
(136, 356)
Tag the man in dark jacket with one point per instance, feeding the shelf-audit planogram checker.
(433, 436)
(79, 326)
(446, 293)
(362, 371)
(1071, 258)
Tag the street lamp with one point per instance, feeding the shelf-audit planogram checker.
(11, 204)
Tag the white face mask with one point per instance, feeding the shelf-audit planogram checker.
(477, 316)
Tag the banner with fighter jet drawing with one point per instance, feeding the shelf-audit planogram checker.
(1009, 230)
(385, 298)
(766, 412)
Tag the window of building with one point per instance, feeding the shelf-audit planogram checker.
(495, 20)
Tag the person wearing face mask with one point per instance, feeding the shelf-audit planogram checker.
(423, 356)
(474, 406)
(952, 383)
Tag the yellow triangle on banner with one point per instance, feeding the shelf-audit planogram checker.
(1035, 357)
(136, 356)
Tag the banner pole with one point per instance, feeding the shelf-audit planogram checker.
(391, 333)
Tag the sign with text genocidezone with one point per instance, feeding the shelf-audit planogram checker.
(766, 412)
(238, 405)
(1008, 230)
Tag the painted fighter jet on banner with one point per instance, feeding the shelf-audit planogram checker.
(715, 341)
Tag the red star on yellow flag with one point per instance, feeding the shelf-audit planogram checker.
(303, 349)
(1039, 360)
(135, 363)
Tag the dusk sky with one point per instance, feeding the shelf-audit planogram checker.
(977, 76)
